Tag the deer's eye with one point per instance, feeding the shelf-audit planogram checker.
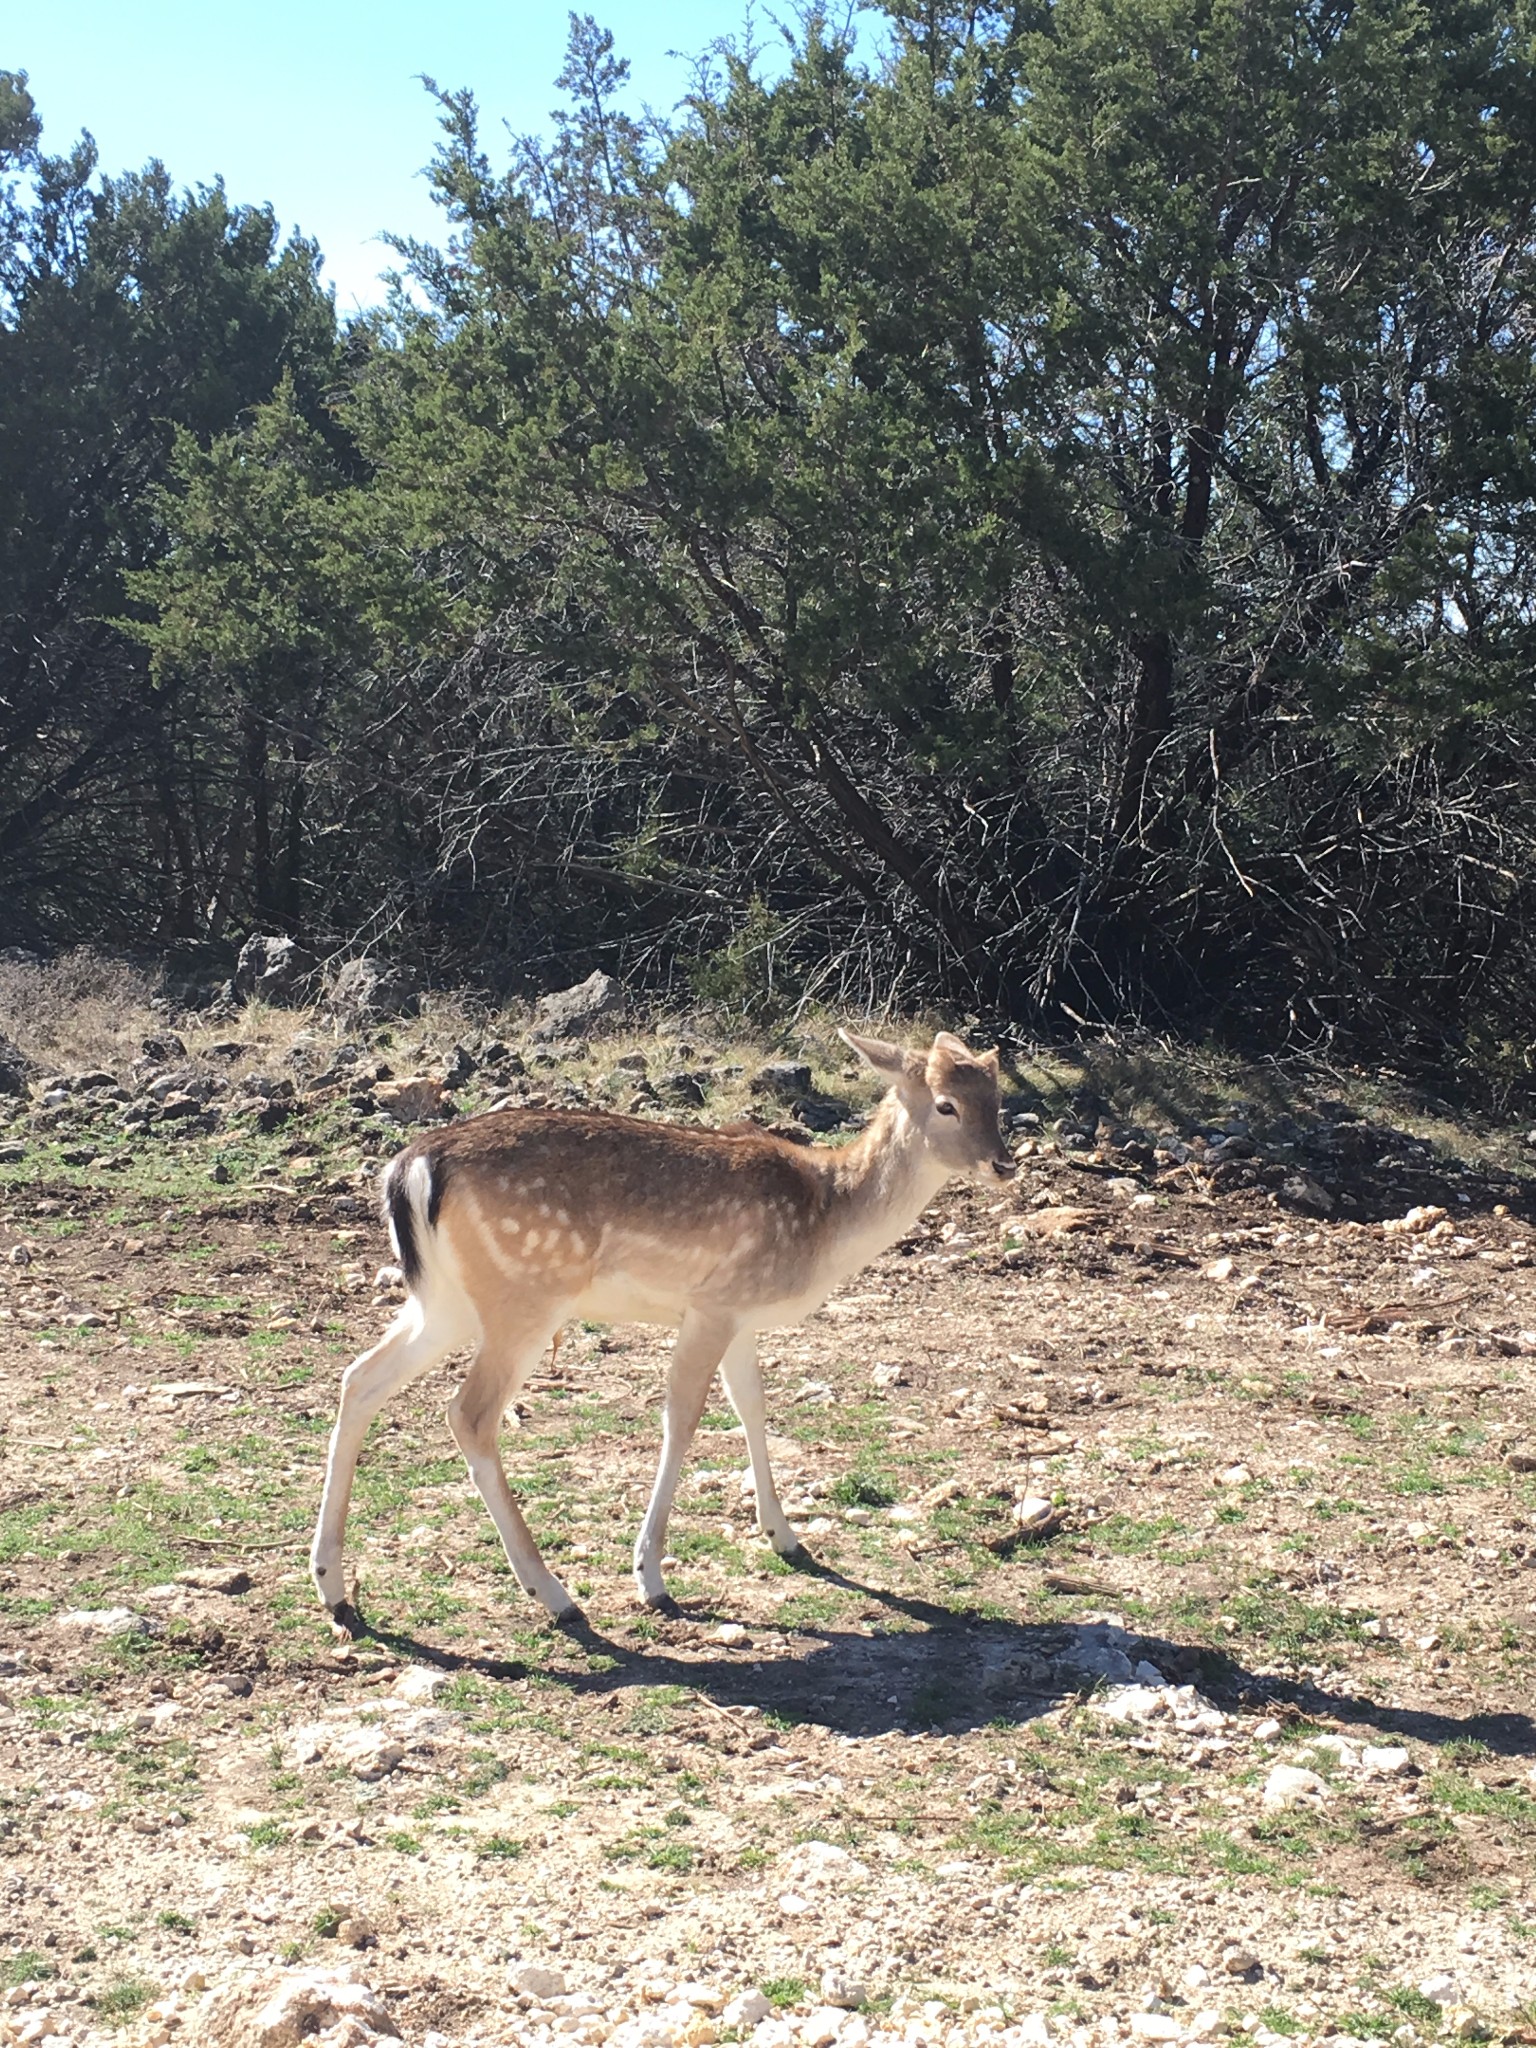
(946, 1109)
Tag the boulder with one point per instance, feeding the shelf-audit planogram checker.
(1300, 1191)
(15, 1068)
(573, 1012)
(1292, 1785)
(459, 1067)
(684, 1088)
(230, 1579)
(105, 1621)
(270, 967)
(535, 1980)
(822, 1112)
(784, 1080)
(163, 1049)
(298, 2005)
(847, 1992)
(368, 991)
(419, 1099)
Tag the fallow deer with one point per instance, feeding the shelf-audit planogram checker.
(507, 1225)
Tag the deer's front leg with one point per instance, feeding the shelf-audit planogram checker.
(700, 1343)
(744, 1384)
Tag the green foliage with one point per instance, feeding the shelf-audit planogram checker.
(863, 1489)
(131, 320)
(748, 971)
(1047, 517)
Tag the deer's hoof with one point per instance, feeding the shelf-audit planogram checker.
(347, 1623)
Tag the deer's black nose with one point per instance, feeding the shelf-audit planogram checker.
(1005, 1169)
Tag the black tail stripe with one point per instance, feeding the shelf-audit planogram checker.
(403, 1223)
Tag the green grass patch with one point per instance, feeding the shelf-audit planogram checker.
(1415, 1480)
(1413, 2005)
(484, 1770)
(813, 1608)
(1458, 1794)
(1236, 1858)
(863, 1488)
(120, 2001)
(1290, 1625)
(1125, 1536)
(670, 1856)
(655, 1710)
(265, 1834)
(28, 1967)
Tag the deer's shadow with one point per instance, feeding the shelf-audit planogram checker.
(913, 1665)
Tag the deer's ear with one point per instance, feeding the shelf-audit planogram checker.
(885, 1058)
(989, 1061)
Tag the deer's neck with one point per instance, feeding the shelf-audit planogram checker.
(881, 1184)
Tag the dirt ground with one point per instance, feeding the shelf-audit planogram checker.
(977, 1756)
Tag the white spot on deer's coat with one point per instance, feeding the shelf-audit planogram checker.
(497, 1255)
(511, 1225)
(532, 1241)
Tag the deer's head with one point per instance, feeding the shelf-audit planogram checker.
(950, 1093)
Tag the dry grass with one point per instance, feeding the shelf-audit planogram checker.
(1168, 1086)
(87, 1010)
(79, 1011)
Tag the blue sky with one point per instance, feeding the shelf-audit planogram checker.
(315, 108)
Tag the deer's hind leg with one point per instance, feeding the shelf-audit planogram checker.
(504, 1361)
(412, 1345)
(744, 1385)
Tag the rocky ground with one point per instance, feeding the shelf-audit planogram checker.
(1163, 1669)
